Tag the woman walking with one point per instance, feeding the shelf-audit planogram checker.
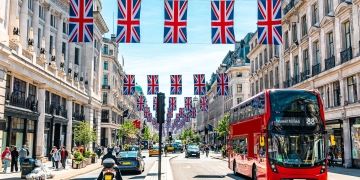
(52, 152)
(57, 158)
(14, 159)
(6, 158)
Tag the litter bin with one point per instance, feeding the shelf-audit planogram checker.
(27, 166)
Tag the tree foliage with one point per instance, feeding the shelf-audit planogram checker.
(155, 138)
(223, 127)
(84, 134)
(147, 134)
(128, 129)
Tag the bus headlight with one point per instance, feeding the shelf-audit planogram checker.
(323, 168)
(273, 167)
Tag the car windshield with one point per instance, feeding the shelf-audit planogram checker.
(155, 147)
(127, 154)
(193, 148)
(301, 150)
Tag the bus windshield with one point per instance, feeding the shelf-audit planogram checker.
(294, 111)
(302, 150)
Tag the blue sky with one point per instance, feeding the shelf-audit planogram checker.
(151, 56)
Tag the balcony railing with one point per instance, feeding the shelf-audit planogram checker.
(346, 55)
(330, 62)
(15, 99)
(55, 109)
(305, 75)
(78, 116)
(316, 69)
(105, 86)
(290, 6)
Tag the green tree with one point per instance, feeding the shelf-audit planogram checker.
(223, 127)
(147, 134)
(128, 130)
(155, 138)
(84, 134)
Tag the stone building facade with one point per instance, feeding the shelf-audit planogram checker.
(321, 51)
(47, 85)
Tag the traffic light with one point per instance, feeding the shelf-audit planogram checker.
(160, 109)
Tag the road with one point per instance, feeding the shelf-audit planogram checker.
(203, 168)
(149, 161)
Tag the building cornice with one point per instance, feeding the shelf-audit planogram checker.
(100, 22)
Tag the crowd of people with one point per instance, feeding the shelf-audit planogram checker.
(12, 157)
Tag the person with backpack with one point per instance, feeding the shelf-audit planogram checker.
(14, 159)
(6, 158)
(23, 153)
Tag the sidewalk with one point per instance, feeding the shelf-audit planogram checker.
(60, 174)
(166, 172)
(217, 156)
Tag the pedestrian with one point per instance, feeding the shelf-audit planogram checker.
(52, 153)
(64, 154)
(57, 158)
(23, 153)
(99, 152)
(117, 150)
(6, 158)
(207, 149)
(14, 159)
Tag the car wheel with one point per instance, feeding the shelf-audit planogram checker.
(254, 173)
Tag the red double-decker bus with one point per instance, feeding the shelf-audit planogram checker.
(279, 135)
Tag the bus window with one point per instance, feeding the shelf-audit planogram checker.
(243, 144)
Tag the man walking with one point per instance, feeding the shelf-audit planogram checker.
(14, 159)
(23, 153)
(64, 154)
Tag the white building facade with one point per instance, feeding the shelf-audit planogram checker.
(47, 85)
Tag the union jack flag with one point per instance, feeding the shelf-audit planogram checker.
(181, 112)
(177, 116)
(129, 85)
(188, 103)
(141, 103)
(186, 118)
(170, 114)
(155, 103)
(204, 103)
(176, 84)
(222, 84)
(193, 112)
(146, 112)
(222, 21)
(172, 103)
(128, 23)
(199, 84)
(153, 84)
(175, 21)
(269, 22)
(81, 21)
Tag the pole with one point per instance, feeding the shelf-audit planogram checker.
(160, 149)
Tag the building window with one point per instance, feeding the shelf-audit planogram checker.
(352, 94)
(322, 94)
(304, 29)
(336, 87)
(330, 41)
(32, 92)
(239, 74)
(111, 52)
(105, 98)
(106, 65)
(296, 68)
(77, 56)
(51, 43)
(64, 28)
(286, 39)
(277, 77)
(260, 60)
(105, 79)
(63, 49)
(328, 97)
(19, 88)
(257, 87)
(328, 6)
(256, 64)
(53, 21)
(265, 55)
(239, 88)
(316, 49)
(39, 38)
(306, 67)
(261, 84)
(266, 81)
(287, 71)
(315, 14)
(106, 49)
(41, 12)
(346, 35)
(239, 100)
(294, 31)
(31, 5)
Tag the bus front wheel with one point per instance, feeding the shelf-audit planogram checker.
(254, 173)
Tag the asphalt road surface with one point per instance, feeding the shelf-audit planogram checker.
(203, 168)
(149, 161)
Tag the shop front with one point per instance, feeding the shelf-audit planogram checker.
(355, 141)
(335, 143)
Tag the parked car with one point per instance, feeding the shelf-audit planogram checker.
(131, 161)
(192, 151)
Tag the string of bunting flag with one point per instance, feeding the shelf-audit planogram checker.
(81, 21)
